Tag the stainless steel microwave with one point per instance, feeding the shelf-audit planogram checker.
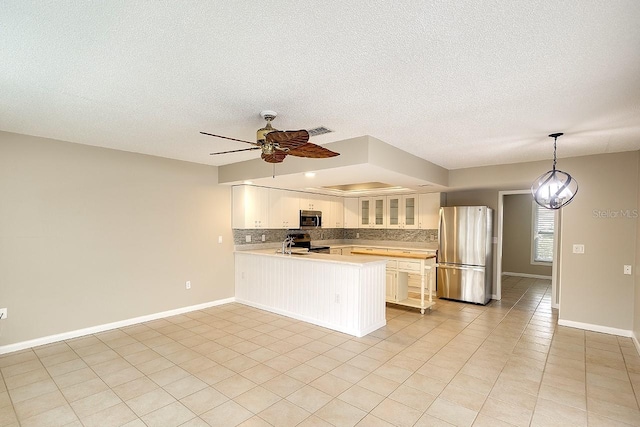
(310, 219)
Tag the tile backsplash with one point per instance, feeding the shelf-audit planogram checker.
(335, 234)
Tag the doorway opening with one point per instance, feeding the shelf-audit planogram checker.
(516, 252)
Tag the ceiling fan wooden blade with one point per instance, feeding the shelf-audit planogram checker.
(312, 151)
(275, 157)
(232, 139)
(288, 138)
(235, 151)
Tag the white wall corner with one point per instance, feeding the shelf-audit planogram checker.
(108, 326)
(634, 338)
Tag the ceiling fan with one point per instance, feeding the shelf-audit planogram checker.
(276, 144)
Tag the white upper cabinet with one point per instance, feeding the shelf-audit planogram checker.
(250, 207)
(371, 212)
(284, 209)
(351, 219)
(261, 207)
(402, 211)
(334, 216)
(429, 211)
(310, 202)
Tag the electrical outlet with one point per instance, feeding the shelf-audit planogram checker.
(357, 235)
(264, 238)
(188, 284)
(247, 238)
(3, 313)
(627, 269)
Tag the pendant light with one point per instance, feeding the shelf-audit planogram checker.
(554, 189)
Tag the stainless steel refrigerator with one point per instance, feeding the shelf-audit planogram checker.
(465, 254)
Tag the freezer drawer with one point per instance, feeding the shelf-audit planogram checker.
(463, 283)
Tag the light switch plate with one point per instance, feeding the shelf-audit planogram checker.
(578, 249)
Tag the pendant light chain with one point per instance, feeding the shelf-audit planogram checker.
(555, 140)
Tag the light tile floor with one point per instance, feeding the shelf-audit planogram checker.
(500, 365)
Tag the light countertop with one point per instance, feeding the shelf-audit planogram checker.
(318, 257)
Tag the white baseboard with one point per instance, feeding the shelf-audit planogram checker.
(596, 328)
(107, 326)
(529, 276)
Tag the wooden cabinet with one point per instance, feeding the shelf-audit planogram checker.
(367, 249)
(283, 209)
(404, 269)
(372, 212)
(396, 285)
(250, 207)
(313, 202)
(402, 211)
(391, 283)
(351, 219)
(337, 213)
(428, 211)
(331, 208)
(261, 207)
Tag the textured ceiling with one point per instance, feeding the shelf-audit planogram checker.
(461, 84)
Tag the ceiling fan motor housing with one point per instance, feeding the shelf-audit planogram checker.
(261, 133)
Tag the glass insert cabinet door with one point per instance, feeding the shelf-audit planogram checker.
(410, 211)
(379, 218)
(394, 211)
(364, 212)
(372, 212)
(402, 211)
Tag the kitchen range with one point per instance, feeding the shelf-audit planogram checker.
(301, 239)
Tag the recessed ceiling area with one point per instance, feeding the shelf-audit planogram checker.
(361, 186)
(459, 84)
(360, 159)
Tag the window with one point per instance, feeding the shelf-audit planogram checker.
(543, 223)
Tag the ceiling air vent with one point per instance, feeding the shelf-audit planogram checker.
(319, 131)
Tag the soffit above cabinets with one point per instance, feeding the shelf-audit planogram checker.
(365, 166)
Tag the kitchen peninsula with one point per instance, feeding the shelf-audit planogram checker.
(346, 294)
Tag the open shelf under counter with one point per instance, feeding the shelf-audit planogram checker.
(399, 265)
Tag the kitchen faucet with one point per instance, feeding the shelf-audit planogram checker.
(288, 242)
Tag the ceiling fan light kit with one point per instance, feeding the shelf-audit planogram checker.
(555, 188)
(276, 145)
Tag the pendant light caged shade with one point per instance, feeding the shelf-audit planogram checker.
(555, 188)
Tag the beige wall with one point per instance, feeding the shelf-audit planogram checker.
(593, 290)
(90, 236)
(475, 198)
(517, 225)
(636, 276)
